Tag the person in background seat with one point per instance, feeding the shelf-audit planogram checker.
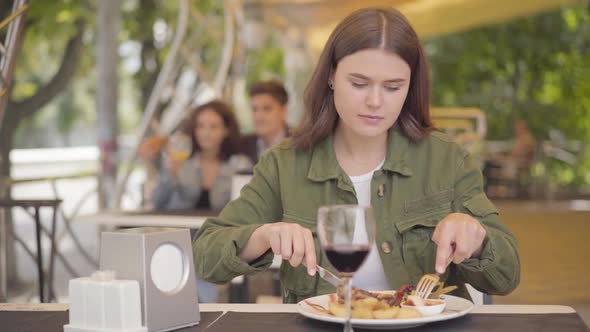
(269, 101)
(198, 175)
(199, 161)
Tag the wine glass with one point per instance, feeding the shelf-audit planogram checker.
(346, 234)
(179, 147)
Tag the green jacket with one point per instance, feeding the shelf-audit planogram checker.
(418, 185)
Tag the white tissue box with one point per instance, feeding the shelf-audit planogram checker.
(101, 303)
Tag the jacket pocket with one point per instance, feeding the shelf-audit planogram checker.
(417, 245)
(430, 203)
(418, 249)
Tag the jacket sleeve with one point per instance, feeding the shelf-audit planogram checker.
(219, 241)
(497, 271)
(178, 194)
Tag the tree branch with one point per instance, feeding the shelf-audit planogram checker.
(69, 63)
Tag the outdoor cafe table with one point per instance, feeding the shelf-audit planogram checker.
(284, 317)
(146, 218)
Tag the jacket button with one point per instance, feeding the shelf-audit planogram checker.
(381, 190)
(386, 246)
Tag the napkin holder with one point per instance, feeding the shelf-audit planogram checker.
(161, 260)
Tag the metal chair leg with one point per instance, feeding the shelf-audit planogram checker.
(52, 257)
(39, 255)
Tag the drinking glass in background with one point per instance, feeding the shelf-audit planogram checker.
(179, 147)
(346, 234)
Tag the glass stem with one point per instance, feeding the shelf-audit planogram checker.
(348, 303)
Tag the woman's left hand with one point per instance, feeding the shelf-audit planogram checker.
(459, 231)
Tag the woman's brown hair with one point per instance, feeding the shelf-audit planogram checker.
(229, 146)
(368, 28)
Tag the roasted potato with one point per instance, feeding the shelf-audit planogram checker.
(405, 313)
(365, 303)
(366, 313)
(388, 313)
(337, 309)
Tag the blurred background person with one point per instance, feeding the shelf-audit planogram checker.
(514, 167)
(199, 161)
(269, 101)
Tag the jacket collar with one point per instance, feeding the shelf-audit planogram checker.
(324, 165)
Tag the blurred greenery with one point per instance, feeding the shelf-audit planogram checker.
(266, 62)
(54, 34)
(147, 25)
(535, 68)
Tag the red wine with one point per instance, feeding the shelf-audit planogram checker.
(347, 258)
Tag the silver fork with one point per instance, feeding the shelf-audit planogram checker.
(429, 281)
(427, 284)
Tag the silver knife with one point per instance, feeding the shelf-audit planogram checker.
(328, 276)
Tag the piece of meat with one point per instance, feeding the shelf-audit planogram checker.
(401, 292)
(357, 293)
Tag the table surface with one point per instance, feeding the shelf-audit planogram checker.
(29, 202)
(292, 308)
(183, 219)
(266, 317)
(481, 309)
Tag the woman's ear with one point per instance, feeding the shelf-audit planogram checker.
(331, 80)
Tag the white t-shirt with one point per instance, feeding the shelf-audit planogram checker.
(370, 275)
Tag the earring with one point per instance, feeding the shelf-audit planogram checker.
(331, 84)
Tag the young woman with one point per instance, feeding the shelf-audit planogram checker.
(204, 180)
(366, 138)
(199, 162)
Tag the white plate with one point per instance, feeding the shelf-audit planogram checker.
(455, 307)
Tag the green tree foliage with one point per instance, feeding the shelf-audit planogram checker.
(535, 68)
(265, 63)
(49, 25)
(50, 56)
(138, 21)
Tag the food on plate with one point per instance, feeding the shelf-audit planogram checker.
(428, 307)
(386, 313)
(440, 289)
(402, 304)
(416, 301)
(372, 305)
(407, 313)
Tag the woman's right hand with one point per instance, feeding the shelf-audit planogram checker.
(293, 243)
